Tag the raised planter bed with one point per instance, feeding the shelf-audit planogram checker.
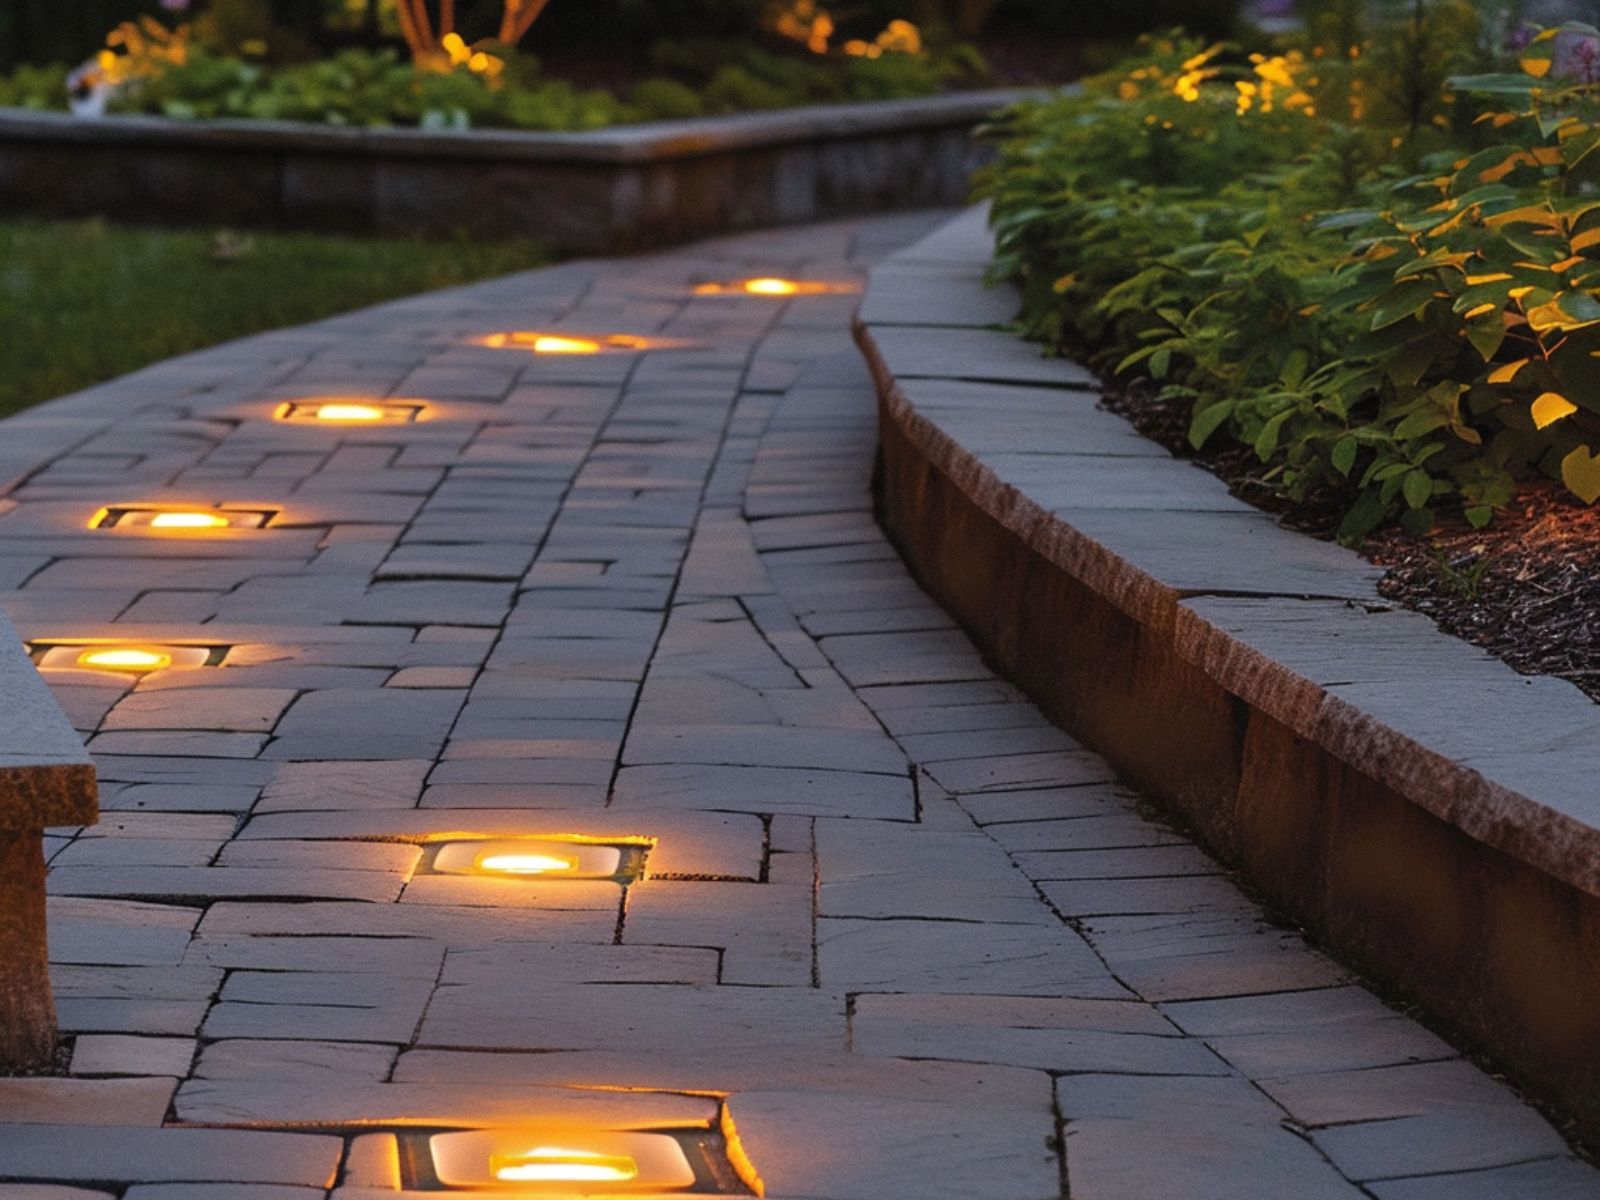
(604, 192)
(1427, 812)
(46, 779)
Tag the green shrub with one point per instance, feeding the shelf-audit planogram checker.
(34, 87)
(666, 100)
(1250, 235)
(359, 87)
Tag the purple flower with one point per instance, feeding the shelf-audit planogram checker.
(175, 6)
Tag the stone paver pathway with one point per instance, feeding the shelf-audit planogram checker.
(900, 938)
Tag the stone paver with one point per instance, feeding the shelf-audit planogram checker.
(902, 933)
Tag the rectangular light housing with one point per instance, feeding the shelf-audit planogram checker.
(161, 518)
(560, 1161)
(534, 858)
(336, 411)
(127, 658)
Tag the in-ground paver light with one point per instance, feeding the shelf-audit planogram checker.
(350, 412)
(135, 658)
(572, 1161)
(781, 289)
(496, 1157)
(539, 858)
(165, 518)
(536, 342)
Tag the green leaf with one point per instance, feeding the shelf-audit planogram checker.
(1418, 488)
(1401, 302)
(1267, 440)
(1494, 85)
(1420, 423)
(1343, 455)
(1486, 333)
(1365, 515)
(1207, 420)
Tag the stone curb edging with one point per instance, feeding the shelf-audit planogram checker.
(601, 192)
(1424, 809)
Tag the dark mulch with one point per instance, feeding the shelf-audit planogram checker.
(1527, 589)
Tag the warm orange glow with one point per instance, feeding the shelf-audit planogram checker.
(541, 1161)
(350, 412)
(529, 858)
(550, 344)
(188, 520)
(771, 287)
(124, 659)
(127, 657)
(537, 342)
(179, 520)
(555, 1164)
(526, 864)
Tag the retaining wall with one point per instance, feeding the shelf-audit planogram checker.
(1428, 813)
(608, 191)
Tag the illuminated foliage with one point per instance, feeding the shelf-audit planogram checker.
(1248, 233)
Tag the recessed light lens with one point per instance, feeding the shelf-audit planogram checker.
(564, 1160)
(526, 864)
(125, 659)
(535, 858)
(349, 412)
(771, 287)
(553, 1164)
(550, 344)
(188, 520)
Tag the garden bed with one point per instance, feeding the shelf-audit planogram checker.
(1526, 588)
(608, 191)
(1423, 809)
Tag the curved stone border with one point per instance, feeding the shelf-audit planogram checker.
(1425, 810)
(602, 192)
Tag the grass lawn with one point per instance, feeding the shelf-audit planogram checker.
(84, 301)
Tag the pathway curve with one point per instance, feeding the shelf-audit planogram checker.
(898, 932)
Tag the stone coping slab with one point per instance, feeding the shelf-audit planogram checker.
(46, 777)
(604, 191)
(1422, 808)
(1291, 624)
(645, 143)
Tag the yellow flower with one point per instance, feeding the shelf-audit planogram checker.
(1276, 71)
(901, 37)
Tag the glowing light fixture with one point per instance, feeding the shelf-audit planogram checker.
(188, 520)
(555, 1164)
(530, 859)
(126, 658)
(774, 288)
(536, 342)
(526, 864)
(551, 344)
(771, 287)
(349, 412)
(179, 520)
(565, 1161)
